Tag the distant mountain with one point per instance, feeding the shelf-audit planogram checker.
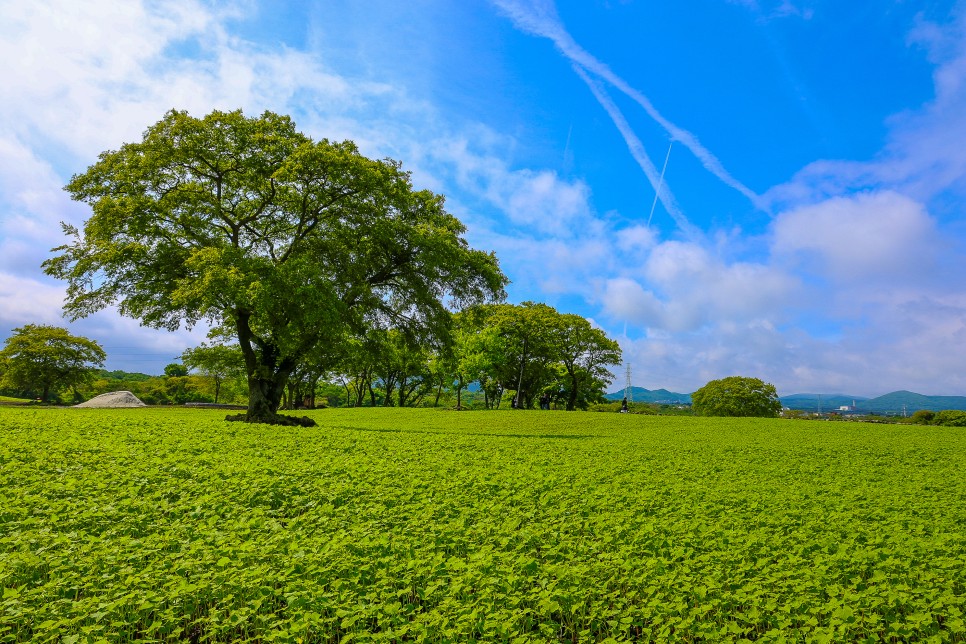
(820, 402)
(896, 402)
(663, 396)
(899, 401)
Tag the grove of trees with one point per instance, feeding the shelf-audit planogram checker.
(290, 246)
(528, 349)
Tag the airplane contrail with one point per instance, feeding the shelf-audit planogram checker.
(540, 18)
(637, 151)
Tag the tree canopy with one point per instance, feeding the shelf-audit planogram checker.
(532, 349)
(736, 396)
(46, 358)
(283, 241)
(216, 361)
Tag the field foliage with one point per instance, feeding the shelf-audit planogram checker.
(386, 525)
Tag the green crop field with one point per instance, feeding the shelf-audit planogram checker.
(386, 525)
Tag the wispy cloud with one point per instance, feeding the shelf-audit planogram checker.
(540, 18)
(924, 155)
(637, 151)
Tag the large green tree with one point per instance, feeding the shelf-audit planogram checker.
(283, 240)
(585, 352)
(736, 396)
(46, 358)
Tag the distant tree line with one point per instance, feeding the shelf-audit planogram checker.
(523, 352)
(944, 418)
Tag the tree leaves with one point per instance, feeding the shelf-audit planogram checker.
(284, 241)
(737, 396)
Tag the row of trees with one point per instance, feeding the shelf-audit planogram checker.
(531, 350)
(944, 418)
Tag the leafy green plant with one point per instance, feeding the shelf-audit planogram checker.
(950, 418)
(389, 524)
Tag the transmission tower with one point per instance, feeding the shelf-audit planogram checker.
(628, 393)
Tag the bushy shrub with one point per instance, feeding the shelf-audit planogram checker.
(950, 418)
(923, 417)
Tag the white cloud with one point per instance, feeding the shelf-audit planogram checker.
(24, 300)
(924, 155)
(539, 201)
(691, 289)
(869, 236)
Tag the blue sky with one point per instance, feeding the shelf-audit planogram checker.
(809, 230)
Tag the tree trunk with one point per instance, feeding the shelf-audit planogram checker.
(264, 398)
(403, 394)
(390, 387)
(268, 374)
(572, 398)
(523, 361)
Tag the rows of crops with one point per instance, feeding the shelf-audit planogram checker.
(425, 525)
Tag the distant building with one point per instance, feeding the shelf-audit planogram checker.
(848, 408)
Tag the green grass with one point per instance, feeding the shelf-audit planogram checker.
(386, 525)
(8, 399)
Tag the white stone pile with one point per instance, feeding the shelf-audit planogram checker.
(114, 399)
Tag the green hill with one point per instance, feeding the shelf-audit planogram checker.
(896, 402)
(908, 401)
(820, 402)
(663, 396)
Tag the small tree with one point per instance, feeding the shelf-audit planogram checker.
(47, 358)
(736, 396)
(175, 370)
(923, 416)
(217, 361)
